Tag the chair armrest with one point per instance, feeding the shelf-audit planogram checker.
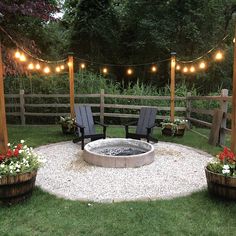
(79, 126)
(98, 123)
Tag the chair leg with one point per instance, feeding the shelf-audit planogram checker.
(82, 144)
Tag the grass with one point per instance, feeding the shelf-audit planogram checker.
(45, 214)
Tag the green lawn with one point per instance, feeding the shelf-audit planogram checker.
(45, 214)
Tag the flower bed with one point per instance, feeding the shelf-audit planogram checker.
(176, 128)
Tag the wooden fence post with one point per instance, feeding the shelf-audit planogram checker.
(72, 86)
(224, 109)
(188, 108)
(102, 106)
(3, 125)
(172, 86)
(22, 107)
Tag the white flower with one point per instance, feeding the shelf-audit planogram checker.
(225, 171)
(22, 141)
(11, 167)
(2, 165)
(226, 167)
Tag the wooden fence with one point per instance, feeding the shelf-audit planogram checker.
(21, 105)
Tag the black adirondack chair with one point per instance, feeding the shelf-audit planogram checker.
(86, 125)
(145, 124)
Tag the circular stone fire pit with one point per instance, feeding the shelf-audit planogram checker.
(119, 153)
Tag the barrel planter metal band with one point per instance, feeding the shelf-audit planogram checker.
(14, 189)
(221, 185)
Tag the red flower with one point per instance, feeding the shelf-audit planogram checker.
(19, 146)
(9, 153)
(2, 157)
(16, 152)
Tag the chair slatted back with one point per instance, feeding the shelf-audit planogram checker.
(146, 119)
(84, 117)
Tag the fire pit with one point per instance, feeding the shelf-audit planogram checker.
(119, 153)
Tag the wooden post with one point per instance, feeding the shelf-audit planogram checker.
(22, 107)
(188, 108)
(224, 109)
(102, 106)
(172, 87)
(72, 87)
(233, 118)
(3, 125)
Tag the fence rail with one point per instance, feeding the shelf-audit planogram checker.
(22, 105)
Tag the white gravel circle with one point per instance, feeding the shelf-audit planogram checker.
(176, 171)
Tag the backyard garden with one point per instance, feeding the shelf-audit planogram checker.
(117, 117)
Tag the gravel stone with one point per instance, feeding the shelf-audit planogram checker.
(176, 171)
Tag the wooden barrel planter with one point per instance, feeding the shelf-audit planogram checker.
(180, 130)
(168, 131)
(67, 130)
(15, 189)
(220, 185)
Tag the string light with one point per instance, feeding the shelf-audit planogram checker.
(58, 69)
(22, 58)
(129, 71)
(69, 64)
(219, 56)
(82, 65)
(62, 67)
(17, 54)
(31, 66)
(202, 65)
(37, 67)
(46, 70)
(192, 69)
(185, 69)
(234, 40)
(154, 69)
(104, 70)
(178, 67)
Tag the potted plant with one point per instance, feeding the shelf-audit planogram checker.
(221, 175)
(67, 125)
(175, 128)
(18, 170)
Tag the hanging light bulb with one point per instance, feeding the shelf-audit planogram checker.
(82, 65)
(129, 71)
(22, 58)
(62, 67)
(192, 69)
(58, 69)
(234, 40)
(17, 54)
(104, 70)
(154, 69)
(31, 66)
(219, 56)
(202, 65)
(46, 70)
(185, 69)
(69, 64)
(37, 67)
(178, 67)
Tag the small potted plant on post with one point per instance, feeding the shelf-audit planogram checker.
(175, 128)
(221, 175)
(67, 125)
(18, 170)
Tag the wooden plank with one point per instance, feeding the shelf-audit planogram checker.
(12, 105)
(61, 105)
(13, 113)
(138, 107)
(72, 85)
(47, 95)
(142, 97)
(228, 116)
(202, 111)
(102, 105)
(22, 107)
(214, 98)
(228, 131)
(51, 114)
(3, 124)
(12, 95)
(224, 109)
(215, 128)
(201, 122)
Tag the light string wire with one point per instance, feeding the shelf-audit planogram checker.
(29, 53)
(109, 64)
(205, 54)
